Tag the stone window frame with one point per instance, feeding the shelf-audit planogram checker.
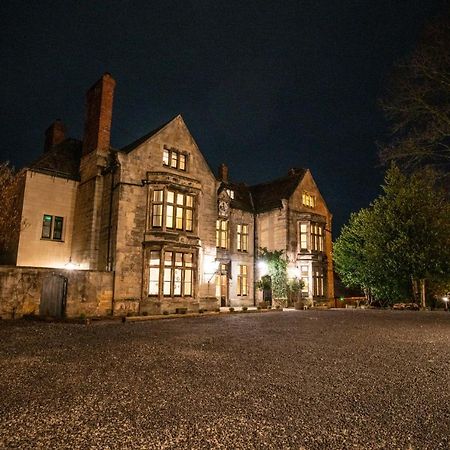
(160, 205)
(162, 272)
(242, 237)
(242, 281)
(55, 230)
(317, 237)
(308, 199)
(223, 234)
(175, 159)
(318, 278)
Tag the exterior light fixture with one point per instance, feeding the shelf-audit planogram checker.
(263, 267)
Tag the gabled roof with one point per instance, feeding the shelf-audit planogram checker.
(130, 147)
(242, 196)
(267, 196)
(62, 160)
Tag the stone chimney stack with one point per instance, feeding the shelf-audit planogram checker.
(97, 127)
(223, 173)
(54, 134)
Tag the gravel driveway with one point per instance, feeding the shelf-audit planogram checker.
(299, 380)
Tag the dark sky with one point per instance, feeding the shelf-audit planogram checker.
(262, 85)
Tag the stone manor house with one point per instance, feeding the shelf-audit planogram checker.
(150, 228)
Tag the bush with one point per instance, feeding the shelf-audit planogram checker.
(217, 310)
(145, 313)
(244, 309)
(299, 305)
(200, 311)
(231, 309)
(258, 308)
(263, 305)
(278, 307)
(166, 313)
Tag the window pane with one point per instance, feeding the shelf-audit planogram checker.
(157, 215)
(189, 201)
(166, 157)
(47, 226)
(180, 199)
(170, 197)
(57, 230)
(189, 223)
(158, 196)
(169, 216)
(182, 164)
(188, 259)
(153, 287)
(154, 258)
(188, 282)
(303, 228)
(244, 242)
(177, 282)
(173, 159)
(168, 258)
(179, 259)
(179, 218)
(167, 281)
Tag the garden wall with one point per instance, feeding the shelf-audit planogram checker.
(89, 292)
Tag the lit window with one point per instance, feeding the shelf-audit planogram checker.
(52, 227)
(303, 236)
(304, 275)
(242, 283)
(318, 282)
(230, 193)
(242, 238)
(177, 274)
(172, 210)
(174, 159)
(317, 237)
(308, 200)
(222, 234)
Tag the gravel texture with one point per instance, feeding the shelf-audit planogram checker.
(281, 380)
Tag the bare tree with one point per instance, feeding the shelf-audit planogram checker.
(417, 103)
(10, 211)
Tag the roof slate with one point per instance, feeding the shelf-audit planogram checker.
(267, 196)
(130, 147)
(62, 160)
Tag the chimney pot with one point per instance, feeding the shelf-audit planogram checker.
(223, 173)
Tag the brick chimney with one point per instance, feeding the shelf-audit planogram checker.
(54, 135)
(223, 173)
(97, 127)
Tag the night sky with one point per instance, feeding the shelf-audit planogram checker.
(262, 85)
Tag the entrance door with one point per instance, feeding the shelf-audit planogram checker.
(222, 284)
(53, 296)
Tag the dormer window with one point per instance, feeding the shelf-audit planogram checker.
(174, 159)
(308, 200)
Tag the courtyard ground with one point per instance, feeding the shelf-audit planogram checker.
(301, 379)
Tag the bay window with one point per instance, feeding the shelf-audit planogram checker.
(172, 210)
(171, 273)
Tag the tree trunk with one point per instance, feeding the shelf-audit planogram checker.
(422, 293)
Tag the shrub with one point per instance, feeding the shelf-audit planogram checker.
(231, 309)
(278, 307)
(244, 309)
(145, 313)
(166, 313)
(217, 310)
(200, 311)
(258, 308)
(299, 305)
(262, 305)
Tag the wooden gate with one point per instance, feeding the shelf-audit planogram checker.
(53, 296)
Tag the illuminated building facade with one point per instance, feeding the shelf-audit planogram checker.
(174, 234)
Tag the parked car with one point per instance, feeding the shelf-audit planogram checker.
(402, 306)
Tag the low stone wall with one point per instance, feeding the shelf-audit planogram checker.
(89, 293)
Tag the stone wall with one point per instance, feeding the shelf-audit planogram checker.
(89, 292)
